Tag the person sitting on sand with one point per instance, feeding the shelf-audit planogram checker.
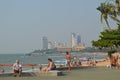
(2, 70)
(17, 68)
(74, 64)
(94, 63)
(79, 63)
(51, 66)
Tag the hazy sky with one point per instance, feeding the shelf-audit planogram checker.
(23, 23)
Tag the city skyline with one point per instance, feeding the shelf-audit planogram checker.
(24, 22)
(75, 40)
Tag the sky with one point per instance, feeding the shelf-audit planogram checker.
(23, 23)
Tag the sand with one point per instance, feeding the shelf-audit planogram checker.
(97, 73)
(103, 63)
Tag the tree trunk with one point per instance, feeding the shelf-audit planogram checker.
(107, 24)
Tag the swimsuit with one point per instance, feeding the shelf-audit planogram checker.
(53, 68)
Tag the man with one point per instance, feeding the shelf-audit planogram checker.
(68, 58)
(17, 68)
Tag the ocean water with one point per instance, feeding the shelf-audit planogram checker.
(42, 59)
(35, 59)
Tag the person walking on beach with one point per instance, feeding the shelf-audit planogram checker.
(68, 58)
(17, 68)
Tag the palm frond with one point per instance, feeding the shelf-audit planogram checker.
(101, 18)
(115, 18)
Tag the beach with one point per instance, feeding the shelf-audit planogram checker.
(102, 63)
(97, 73)
(41, 59)
(83, 73)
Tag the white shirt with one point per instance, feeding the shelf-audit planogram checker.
(17, 66)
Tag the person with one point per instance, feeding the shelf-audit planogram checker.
(40, 67)
(94, 63)
(79, 63)
(2, 70)
(17, 68)
(118, 61)
(113, 62)
(74, 64)
(68, 58)
(51, 65)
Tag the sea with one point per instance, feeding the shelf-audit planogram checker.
(43, 58)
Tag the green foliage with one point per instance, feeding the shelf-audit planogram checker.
(108, 38)
(110, 8)
(107, 8)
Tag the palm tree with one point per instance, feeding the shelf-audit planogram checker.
(104, 9)
(116, 11)
(117, 2)
(110, 9)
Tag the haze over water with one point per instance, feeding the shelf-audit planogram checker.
(23, 23)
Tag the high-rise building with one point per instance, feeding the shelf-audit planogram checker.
(78, 40)
(73, 39)
(55, 44)
(45, 43)
(50, 45)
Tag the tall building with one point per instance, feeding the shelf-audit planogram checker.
(73, 39)
(50, 45)
(55, 44)
(45, 43)
(78, 40)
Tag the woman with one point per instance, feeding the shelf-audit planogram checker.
(51, 66)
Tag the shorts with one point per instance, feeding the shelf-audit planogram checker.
(68, 61)
(16, 71)
(53, 68)
(113, 65)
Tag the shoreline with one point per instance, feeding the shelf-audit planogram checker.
(102, 63)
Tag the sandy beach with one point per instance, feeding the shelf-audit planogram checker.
(103, 63)
(98, 73)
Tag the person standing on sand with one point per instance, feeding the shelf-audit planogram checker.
(68, 58)
(113, 62)
(118, 61)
